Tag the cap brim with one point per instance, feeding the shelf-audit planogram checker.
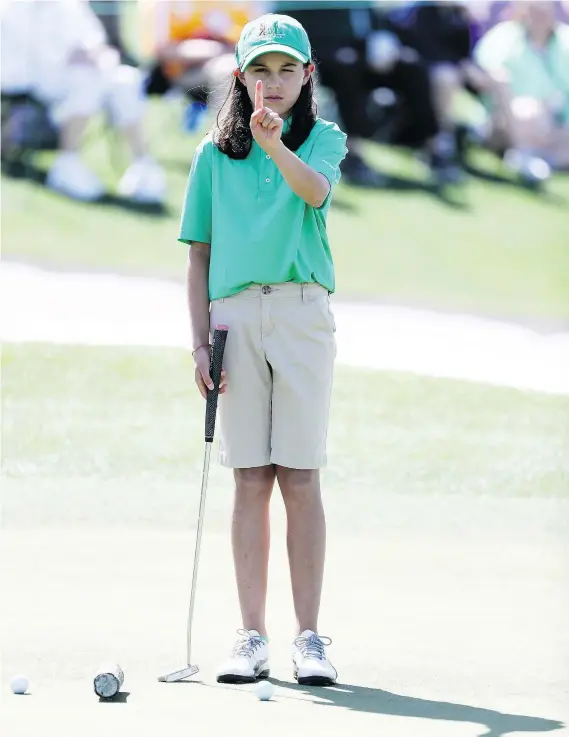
(272, 48)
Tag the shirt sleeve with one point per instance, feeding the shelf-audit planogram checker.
(493, 50)
(196, 217)
(327, 154)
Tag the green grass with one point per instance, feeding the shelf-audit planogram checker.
(494, 249)
(112, 434)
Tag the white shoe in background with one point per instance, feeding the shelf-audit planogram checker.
(528, 167)
(71, 177)
(144, 181)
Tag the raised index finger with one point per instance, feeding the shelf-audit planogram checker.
(259, 95)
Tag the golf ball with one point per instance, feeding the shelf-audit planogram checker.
(264, 690)
(19, 684)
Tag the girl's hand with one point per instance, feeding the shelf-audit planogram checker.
(266, 125)
(203, 379)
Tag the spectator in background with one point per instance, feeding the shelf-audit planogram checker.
(440, 32)
(57, 53)
(528, 57)
(358, 51)
(193, 42)
(109, 12)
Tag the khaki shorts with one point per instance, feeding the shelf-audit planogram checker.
(279, 359)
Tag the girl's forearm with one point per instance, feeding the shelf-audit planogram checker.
(309, 185)
(198, 293)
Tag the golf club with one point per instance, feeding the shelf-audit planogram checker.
(216, 361)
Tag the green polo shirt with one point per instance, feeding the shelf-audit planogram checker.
(260, 231)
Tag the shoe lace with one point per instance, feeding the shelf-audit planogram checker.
(246, 644)
(313, 646)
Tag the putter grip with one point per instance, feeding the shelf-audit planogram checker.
(215, 366)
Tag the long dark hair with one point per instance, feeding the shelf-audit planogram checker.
(233, 136)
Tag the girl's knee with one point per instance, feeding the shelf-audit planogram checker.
(298, 483)
(254, 481)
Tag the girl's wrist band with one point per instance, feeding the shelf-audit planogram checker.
(203, 345)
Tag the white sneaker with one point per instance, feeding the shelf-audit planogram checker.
(311, 666)
(530, 168)
(71, 177)
(144, 181)
(249, 660)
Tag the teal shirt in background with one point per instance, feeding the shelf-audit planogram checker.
(541, 75)
(260, 231)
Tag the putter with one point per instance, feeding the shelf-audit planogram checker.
(216, 360)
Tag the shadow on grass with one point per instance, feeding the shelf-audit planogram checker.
(376, 701)
(343, 205)
(32, 173)
(120, 698)
(541, 192)
(392, 183)
(491, 177)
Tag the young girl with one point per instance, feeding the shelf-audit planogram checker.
(255, 217)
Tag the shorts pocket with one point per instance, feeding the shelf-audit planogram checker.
(321, 304)
(331, 314)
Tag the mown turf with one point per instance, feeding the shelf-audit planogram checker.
(116, 434)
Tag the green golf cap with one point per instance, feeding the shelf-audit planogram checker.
(272, 33)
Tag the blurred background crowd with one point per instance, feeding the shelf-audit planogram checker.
(436, 77)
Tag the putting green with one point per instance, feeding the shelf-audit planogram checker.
(445, 590)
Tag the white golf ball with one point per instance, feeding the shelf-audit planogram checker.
(19, 684)
(264, 690)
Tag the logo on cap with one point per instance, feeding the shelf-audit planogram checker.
(271, 31)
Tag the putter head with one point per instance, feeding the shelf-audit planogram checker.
(179, 675)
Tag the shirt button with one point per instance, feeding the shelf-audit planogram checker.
(267, 180)
(268, 157)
